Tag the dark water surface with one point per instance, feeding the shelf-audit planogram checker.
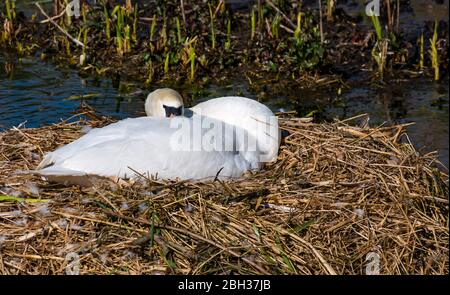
(37, 93)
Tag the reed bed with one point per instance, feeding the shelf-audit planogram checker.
(337, 195)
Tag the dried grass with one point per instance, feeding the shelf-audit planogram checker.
(336, 194)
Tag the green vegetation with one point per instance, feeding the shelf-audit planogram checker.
(330, 9)
(153, 28)
(192, 60)
(306, 48)
(434, 53)
(107, 24)
(135, 21)
(287, 40)
(228, 42)
(213, 32)
(276, 26)
(178, 26)
(253, 23)
(377, 26)
(9, 10)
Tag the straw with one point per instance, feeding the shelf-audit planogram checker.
(337, 196)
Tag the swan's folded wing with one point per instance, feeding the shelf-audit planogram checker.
(145, 146)
(96, 137)
(151, 156)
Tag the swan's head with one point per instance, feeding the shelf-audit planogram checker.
(164, 102)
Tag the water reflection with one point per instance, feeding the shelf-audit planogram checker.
(424, 102)
(41, 94)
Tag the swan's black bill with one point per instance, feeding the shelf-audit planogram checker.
(173, 111)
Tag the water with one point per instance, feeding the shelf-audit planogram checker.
(40, 93)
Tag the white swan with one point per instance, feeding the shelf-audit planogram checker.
(153, 146)
(242, 112)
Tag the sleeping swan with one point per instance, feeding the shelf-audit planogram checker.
(241, 112)
(222, 137)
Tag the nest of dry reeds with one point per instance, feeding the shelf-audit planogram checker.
(339, 200)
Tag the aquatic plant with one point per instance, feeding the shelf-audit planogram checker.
(380, 49)
(13, 9)
(260, 15)
(379, 54)
(213, 33)
(298, 47)
(377, 26)
(189, 56)
(127, 42)
(330, 9)
(119, 40)
(85, 34)
(166, 63)
(192, 60)
(228, 42)
(275, 27)
(434, 53)
(68, 17)
(253, 23)
(135, 19)
(123, 30)
(8, 10)
(7, 32)
(178, 27)
(164, 30)
(298, 29)
(306, 48)
(119, 12)
(107, 24)
(152, 28)
(83, 55)
(150, 72)
(67, 46)
(8, 28)
(19, 48)
(83, 14)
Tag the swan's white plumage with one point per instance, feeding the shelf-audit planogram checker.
(143, 145)
(248, 114)
(164, 96)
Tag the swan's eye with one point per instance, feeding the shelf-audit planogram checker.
(173, 111)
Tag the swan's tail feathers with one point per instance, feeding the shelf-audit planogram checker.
(47, 161)
(65, 176)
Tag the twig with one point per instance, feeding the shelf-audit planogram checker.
(320, 21)
(183, 13)
(54, 17)
(286, 29)
(59, 27)
(293, 26)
